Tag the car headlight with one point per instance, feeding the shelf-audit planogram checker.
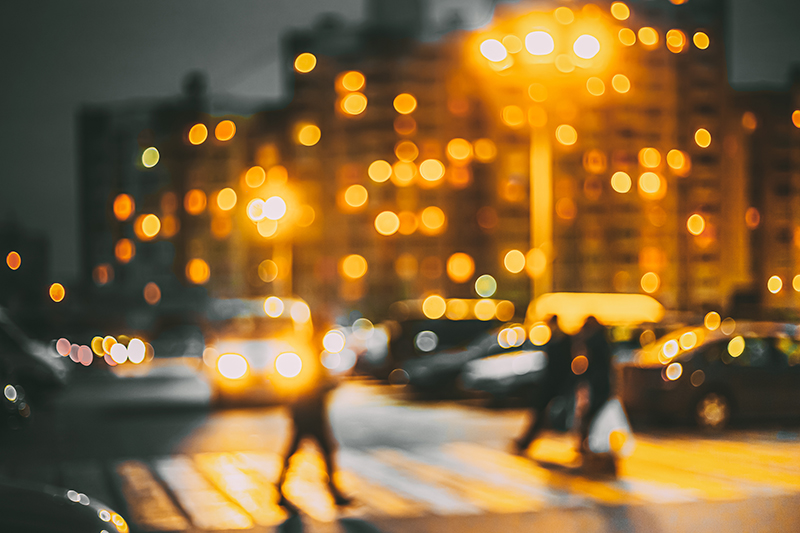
(232, 365)
(288, 364)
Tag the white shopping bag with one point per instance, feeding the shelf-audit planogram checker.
(610, 431)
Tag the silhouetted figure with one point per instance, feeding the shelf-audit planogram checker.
(310, 419)
(598, 375)
(557, 378)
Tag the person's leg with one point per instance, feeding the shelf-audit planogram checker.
(294, 445)
(328, 448)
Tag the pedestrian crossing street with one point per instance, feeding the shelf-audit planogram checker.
(236, 491)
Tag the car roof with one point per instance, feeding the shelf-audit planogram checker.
(456, 309)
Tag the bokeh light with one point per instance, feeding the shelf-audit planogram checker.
(152, 293)
(702, 137)
(586, 46)
(387, 223)
(198, 134)
(566, 135)
(124, 250)
(232, 365)
(701, 40)
(459, 150)
(621, 83)
(13, 260)
(255, 177)
(620, 11)
(353, 266)
(595, 86)
(676, 41)
(124, 206)
(696, 224)
(379, 171)
(485, 150)
(627, 36)
(650, 282)
(649, 157)
(774, 284)
(434, 306)
(539, 43)
(334, 341)
(195, 202)
(150, 157)
(57, 292)
(305, 62)
(433, 219)
(197, 271)
(274, 208)
(406, 151)
(514, 261)
(493, 50)
(226, 199)
(711, 321)
(273, 307)
(352, 81)
(225, 130)
(460, 267)
(308, 134)
(267, 270)
(354, 104)
(431, 170)
(485, 285)
(648, 36)
(621, 182)
(356, 196)
(405, 103)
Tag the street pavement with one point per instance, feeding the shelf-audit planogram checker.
(151, 448)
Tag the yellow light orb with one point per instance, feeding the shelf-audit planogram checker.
(564, 63)
(485, 150)
(736, 346)
(197, 271)
(702, 137)
(150, 157)
(406, 151)
(457, 309)
(621, 182)
(512, 43)
(566, 135)
(627, 36)
(586, 46)
(712, 320)
(459, 150)
(460, 267)
(688, 340)
(648, 36)
(124, 250)
(649, 157)
(649, 183)
(405, 103)
(539, 43)
(485, 310)
(676, 41)
(387, 223)
(621, 83)
(403, 173)
(124, 206)
(305, 62)
(513, 116)
(796, 283)
(354, 104)
(537, 92)
(774, 284)
(225, 130)
(620, 11)
(308, 134)
(151, 225)
(57, 292)
(535, 262)
(696, 224)
(194, 202)
(226, 199)
(379, 171)
(674, 371)
(650, 282)
(595, 86)
(564, 15)
(514, 261)
(353, 266)
(676, 159)
(353, 81)
(255, 210)
(255, 177)
(267, 270)
(198, 134)
(539, 334)
(796, 118)
(493, 50)
(356, 195)
(701, 40)
(433, 219)
(434, 306)
(431, 169)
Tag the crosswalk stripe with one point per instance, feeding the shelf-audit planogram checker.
(206, 507)
(378, 500)
(149, 504)
(488, 496)
(763, 455)
(258, 498)
(435, 498)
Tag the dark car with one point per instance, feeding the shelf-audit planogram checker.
(742, 370)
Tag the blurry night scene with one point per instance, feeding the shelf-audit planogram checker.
(400, 266)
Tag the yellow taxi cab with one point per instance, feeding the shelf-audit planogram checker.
(259, 350)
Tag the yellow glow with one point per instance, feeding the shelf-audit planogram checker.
(620, 11)
(595, 86)
(406, 151)
(226, 199)
(649, 157)
(701, 40)
(727, 326)
(711, 320)
(796, 283)
(308, 134)
(627, 36)
(539, 334)
(564, 15)
(151, 225)
(405, 125)
(459, 150)
(514, 261)
(796, 118)
(352, 81)
(457, 309)
(485, 150)
(676, 159)
(306, 216)
(736, 346)
(406, 266)
(649, 182)
(379, 171)
(609, 308)
(97, 346)
(485, 309)
(13, 260)
(354, 103)
(535, 262)
(696, 224)
(460, 267)
(356, 195)
(255, 210)
(434, 306)
(676, 41)
(621, 83)
(674, 371)
(513, 116)
(566, 135)
(255, 177)
(277, 175)
(405, 103)
(232, 365)
(150, 157)
(267, 270)
(403, 173)
(586, 46)
(194, 202)
(273, 307)
(433, 218)
(334, 341)
(225, 130)
(702, 137)
(57, 292)
(512, 43)
(564, 63)
(124, 206)
(387, 223)
(267, 227)
(305, 62)
(670, 348)
(648, 36)
(579, 365)
(353, 266)
(485, 285)
(750, 122)
(650, 282)
(493, 50)
(537, 92)
(152, 293)
(408, 222)
(621, 182)
(274, 208)
(198, 134)
(431, 169)
(197, 271)
(774, 284)
(124, 250)
(539, 43)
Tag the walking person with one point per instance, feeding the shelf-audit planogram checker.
(309, 415)
(556, 379)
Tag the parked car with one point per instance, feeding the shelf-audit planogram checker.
(746, 370)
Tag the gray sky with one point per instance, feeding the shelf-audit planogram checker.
(55, 55)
